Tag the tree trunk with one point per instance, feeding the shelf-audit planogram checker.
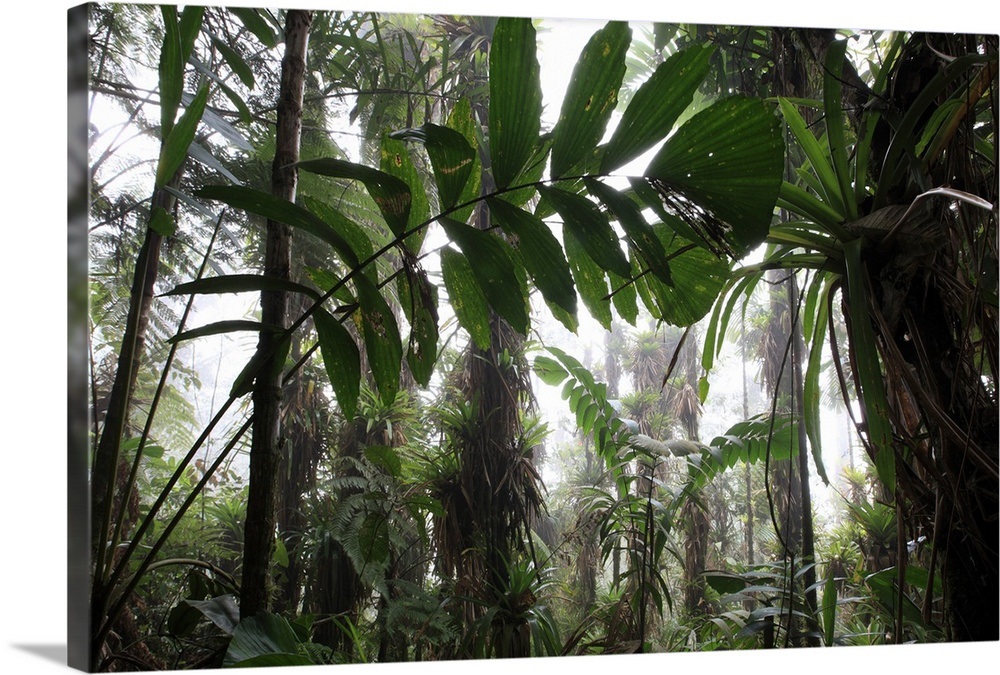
(612, 374)
(747, 484)
(807, 552)
(778, 375)
(265, 450)
(932, 349)
(694, 513)
(108, 470)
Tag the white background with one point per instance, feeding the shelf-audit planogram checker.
(33, 328)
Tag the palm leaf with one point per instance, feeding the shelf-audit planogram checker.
(515, 98)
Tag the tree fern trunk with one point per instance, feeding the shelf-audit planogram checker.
(107, 470)
(265, 450)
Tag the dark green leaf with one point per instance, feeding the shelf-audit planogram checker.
(452, 159)
(828, 609)
(418, 503)
(382, 341)
(326, 280)
(341, 359)
(280, 556)
(591, 280)
(421, 353)
(373, 538)
(385, 457)
(161, 222)
(640, 234)
(183, 619)
(466, 297)
(395, 161)
(540, 251)
(222, 611)
(532, 174)
(235, 62)
(391, 195)
(219, 327)
(352, 233)
(171, 70)
(797, 200)
(656, 105)
(256, 24)
(261, 635)
(624, 297)
(728, 160)
(188, 28)
(748, 441)
(549, 371)
(241, 283)
(885, 591)
(811, 383)
(493, 268)
(236, 100)
(833, 115)
(591, 97)
(282, 211)
(515, 98)
(874, 403)
(153, 451)
(719, 322)
(698, 278)
(898, 157)
(175, 148)
(818, 157)
(570, 321)
(663, 33)
(703, 386)
(461, 120)
(244, 110)
(591, 229)
(725, 584)
(589, 417)
(916, 576)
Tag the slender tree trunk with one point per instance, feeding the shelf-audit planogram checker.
(748, 487)
(612, 373)
(108, 470)
(808, 553)
(694, 514)
(80, 547)
(265, 451)
(785, 475)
